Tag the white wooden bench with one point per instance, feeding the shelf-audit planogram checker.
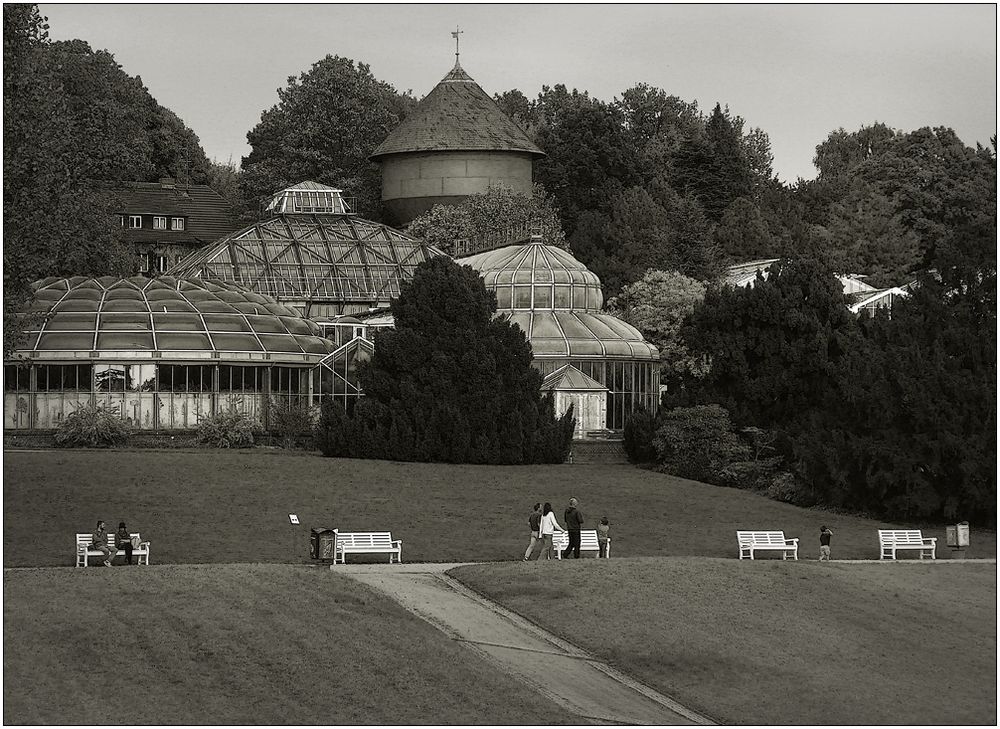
(751, 542)
(85, 550)
(368, 543)
(588, 543)
(892, 540)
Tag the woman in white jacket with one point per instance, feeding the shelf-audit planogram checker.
(546, 528)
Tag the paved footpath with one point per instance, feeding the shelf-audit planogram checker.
(575, 680)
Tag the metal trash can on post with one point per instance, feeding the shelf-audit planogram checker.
(323, 544)
(957, 536)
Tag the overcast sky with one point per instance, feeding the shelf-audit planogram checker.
(796, 71)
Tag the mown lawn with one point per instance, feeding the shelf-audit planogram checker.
(205, 506)
(237, 644)
(777, 643)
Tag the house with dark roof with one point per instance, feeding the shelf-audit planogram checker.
(456, 143)
(165, 221)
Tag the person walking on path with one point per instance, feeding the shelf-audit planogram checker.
(123, 540)
(824, 543)
(100, 537)
(546, 528)
(574, 520)
(534, 519)
(602, 537)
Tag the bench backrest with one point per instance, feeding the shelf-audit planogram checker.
(87, 540)
(761, 537)
(365, 539)
(900, 536)
(588, 539)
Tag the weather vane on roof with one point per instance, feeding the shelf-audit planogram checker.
(455, 35)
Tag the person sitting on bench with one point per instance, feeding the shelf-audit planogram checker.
(100, 537)
(123, 540)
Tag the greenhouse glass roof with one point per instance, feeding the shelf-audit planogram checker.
(167, 317)
(556, 300)
(302, 257)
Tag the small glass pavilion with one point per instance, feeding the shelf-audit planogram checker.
(556, 300)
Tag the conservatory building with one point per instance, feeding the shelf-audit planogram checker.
(163, 353)
(557, 301)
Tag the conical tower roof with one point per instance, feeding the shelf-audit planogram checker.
(457, 116)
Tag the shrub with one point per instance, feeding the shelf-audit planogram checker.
(230, 429)
(92, 426)
(698, 443)
(785, 487)
(332, 433)
(639, 431)
(290, 422)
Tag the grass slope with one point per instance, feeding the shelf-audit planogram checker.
(777, 642)
(223, 506)
(247, 644)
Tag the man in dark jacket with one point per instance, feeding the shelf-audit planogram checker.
(573, 520)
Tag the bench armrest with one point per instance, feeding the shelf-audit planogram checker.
(792, 541)
(932, 540)
(398, 541)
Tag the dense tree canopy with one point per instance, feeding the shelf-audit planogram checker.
(451, 382)
(489, 216)
(773, 347)
(327, 121)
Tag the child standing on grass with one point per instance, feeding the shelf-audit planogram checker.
(824, 543)
(602, 537)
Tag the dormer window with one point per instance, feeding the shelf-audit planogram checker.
(160, 222)
(135, 221)
(176, 223)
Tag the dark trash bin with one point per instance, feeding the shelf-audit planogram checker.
(323, 543)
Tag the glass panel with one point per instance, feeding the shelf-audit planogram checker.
(142, 378)
(563, 298)
(50, 378)
(66, 320)
(66, 341)
(503, 297)
(177, 322)
(236, 342)
(224, 323)
(16, 379)
(188, 340)
(125, 340)
(84, 377)
(522, 297)
(121, 322)
(543, 297)
(109, 378)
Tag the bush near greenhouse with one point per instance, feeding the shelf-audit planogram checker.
(92, 426)
(231, 429)
(449, 384)
(291, 423)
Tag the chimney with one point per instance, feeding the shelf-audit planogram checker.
(167, 183)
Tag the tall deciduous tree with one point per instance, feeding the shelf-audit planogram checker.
(643, 230)
(326, 123)
(54, 223)
(589, 160)
(657, 305)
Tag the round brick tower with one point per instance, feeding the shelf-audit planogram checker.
(456, 143)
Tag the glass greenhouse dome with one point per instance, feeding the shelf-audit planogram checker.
(313, 254)
(556, 300)
(164, 353)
